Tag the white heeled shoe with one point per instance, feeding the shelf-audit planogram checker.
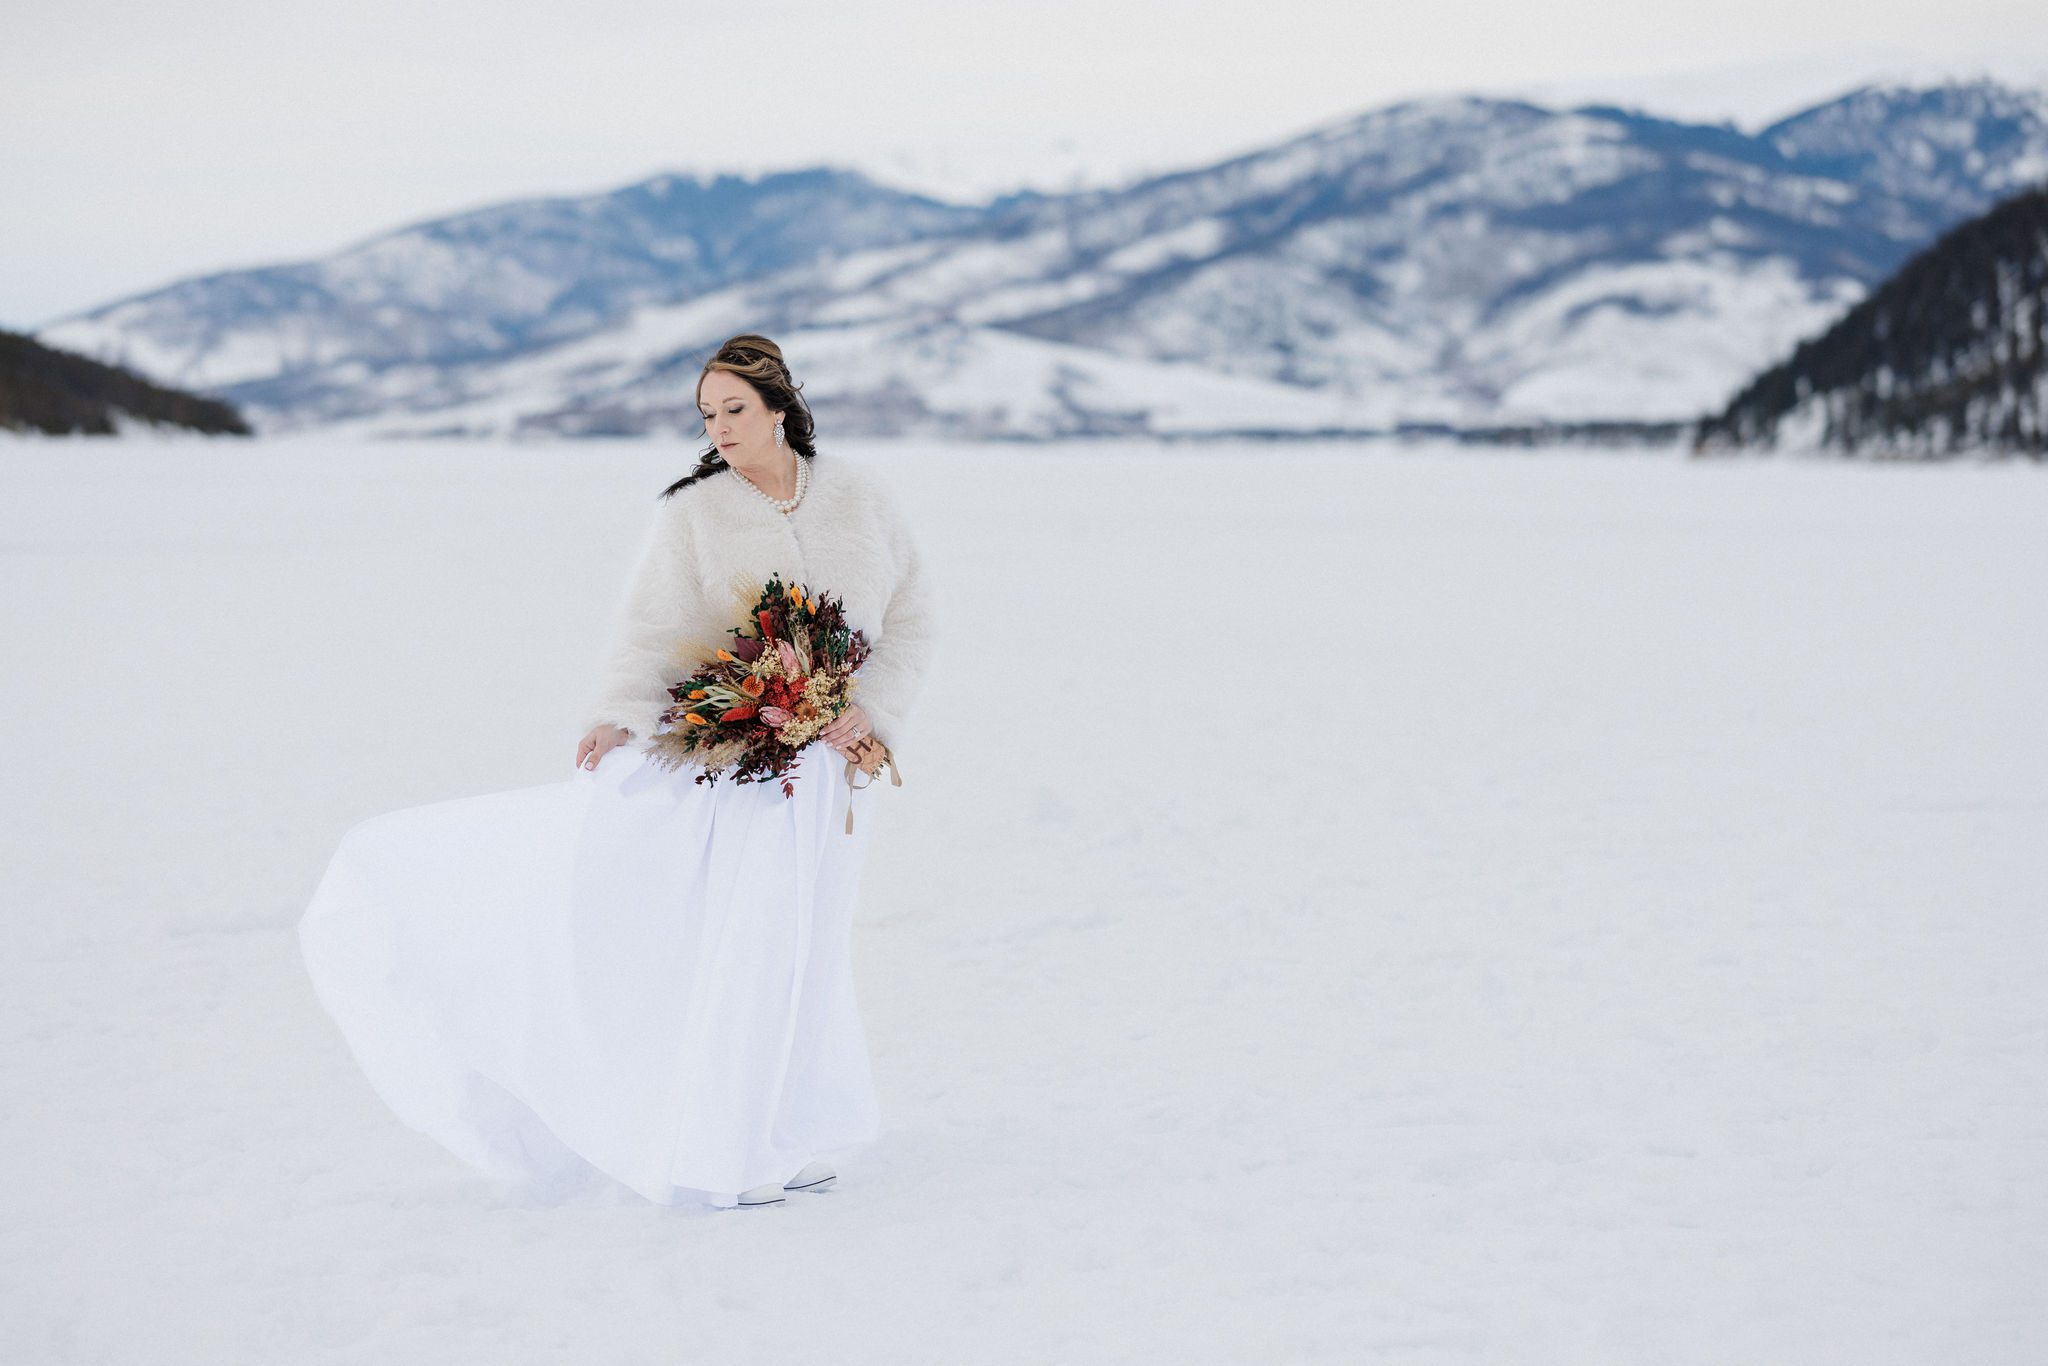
(816, 1176)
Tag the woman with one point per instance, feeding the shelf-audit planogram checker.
(630, 972)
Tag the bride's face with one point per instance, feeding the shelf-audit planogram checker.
(737, 419)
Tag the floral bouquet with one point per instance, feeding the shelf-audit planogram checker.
(786, 674)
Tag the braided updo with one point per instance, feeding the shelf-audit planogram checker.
(759, 362)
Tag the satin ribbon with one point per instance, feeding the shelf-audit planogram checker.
(853, 767)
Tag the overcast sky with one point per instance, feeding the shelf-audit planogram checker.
(144, 142)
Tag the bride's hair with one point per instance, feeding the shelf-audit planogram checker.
(759, 362)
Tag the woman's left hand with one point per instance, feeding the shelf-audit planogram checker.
(846, 728)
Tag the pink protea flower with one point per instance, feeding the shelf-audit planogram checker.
(773, 716)
(788, 653)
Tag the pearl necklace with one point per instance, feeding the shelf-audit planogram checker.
(785, 506)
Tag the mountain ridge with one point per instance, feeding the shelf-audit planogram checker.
(1450, 259)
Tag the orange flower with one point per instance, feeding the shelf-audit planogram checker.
(695, 719)
(749, 685)
(696, 692)
(728, 656)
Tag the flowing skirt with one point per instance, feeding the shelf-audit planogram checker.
(627, 972)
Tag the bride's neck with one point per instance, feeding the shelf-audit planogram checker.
(779, 481)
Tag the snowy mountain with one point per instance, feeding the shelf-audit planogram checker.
(1459, 261)
(302, 342)
(1950, 354)
(1941, 146)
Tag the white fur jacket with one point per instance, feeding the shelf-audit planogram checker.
(846, 538)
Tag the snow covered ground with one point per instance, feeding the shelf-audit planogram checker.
(1346, 904)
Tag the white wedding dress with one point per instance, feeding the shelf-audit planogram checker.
(627, 972)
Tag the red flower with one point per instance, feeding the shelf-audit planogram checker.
(739, 713)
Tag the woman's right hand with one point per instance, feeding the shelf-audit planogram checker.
(601, 739)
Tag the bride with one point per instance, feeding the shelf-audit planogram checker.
(629, 974)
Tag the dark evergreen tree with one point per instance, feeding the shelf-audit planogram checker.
(45, 389)
(1946, 356)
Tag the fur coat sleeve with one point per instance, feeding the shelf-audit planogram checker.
(638, 669)
(887, 686)
(709, 549)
